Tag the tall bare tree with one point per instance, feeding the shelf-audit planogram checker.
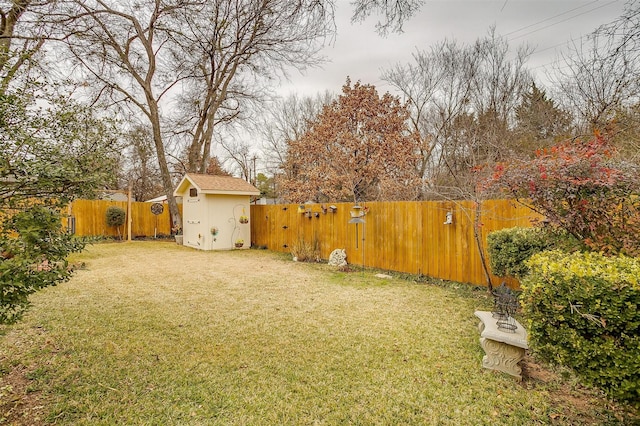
(418, 83)
(287, 119)
(624, 40)
(233, 45)
(239, 153)
(393, 12)
(25, 25)
(595, 79)
(142, 53)
(9, 16)
(140, 166)
(625, 30)
(462, 100)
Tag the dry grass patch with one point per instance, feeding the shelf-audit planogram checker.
(155, 333)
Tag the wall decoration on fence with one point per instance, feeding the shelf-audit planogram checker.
(449, 218)
(156, 209)
(357, 214)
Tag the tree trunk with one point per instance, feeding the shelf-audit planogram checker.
(7, 24)
(477, 234)
(167, 183)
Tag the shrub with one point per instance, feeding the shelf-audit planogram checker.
(115, 216)
(582, 187)
(510, 248)
(582, 312)
(305, 251)
(33, 251)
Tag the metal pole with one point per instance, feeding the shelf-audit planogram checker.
(363, 247)
(356, 236)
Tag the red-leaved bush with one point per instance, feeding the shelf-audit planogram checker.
(583, 188)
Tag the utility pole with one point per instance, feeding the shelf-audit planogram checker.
(255, 176)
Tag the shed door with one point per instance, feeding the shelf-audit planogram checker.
(193, 211)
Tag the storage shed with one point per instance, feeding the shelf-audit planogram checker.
(215, 213)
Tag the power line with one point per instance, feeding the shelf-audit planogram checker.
(549, 18)
(564, 43)
(537, 51)
(555, 61)
(563, 20)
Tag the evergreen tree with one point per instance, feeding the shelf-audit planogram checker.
(539, 121)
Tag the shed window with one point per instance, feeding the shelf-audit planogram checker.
(193, 192)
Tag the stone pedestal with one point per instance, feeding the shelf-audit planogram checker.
(503, 350)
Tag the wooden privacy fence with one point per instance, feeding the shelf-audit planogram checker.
(409, 237)
(90, 219)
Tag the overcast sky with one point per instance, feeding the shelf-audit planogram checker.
(358, 52)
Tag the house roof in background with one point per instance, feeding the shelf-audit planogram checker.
(216, 184)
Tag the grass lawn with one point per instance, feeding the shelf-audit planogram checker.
(153, 333)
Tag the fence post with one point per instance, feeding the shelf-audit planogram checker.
(129, 219)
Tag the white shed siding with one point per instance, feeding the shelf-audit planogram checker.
(224, 213)
(204, 212)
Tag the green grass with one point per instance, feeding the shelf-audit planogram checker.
(157, 334)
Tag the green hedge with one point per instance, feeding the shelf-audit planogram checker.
(582, 311)
(510, 248)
